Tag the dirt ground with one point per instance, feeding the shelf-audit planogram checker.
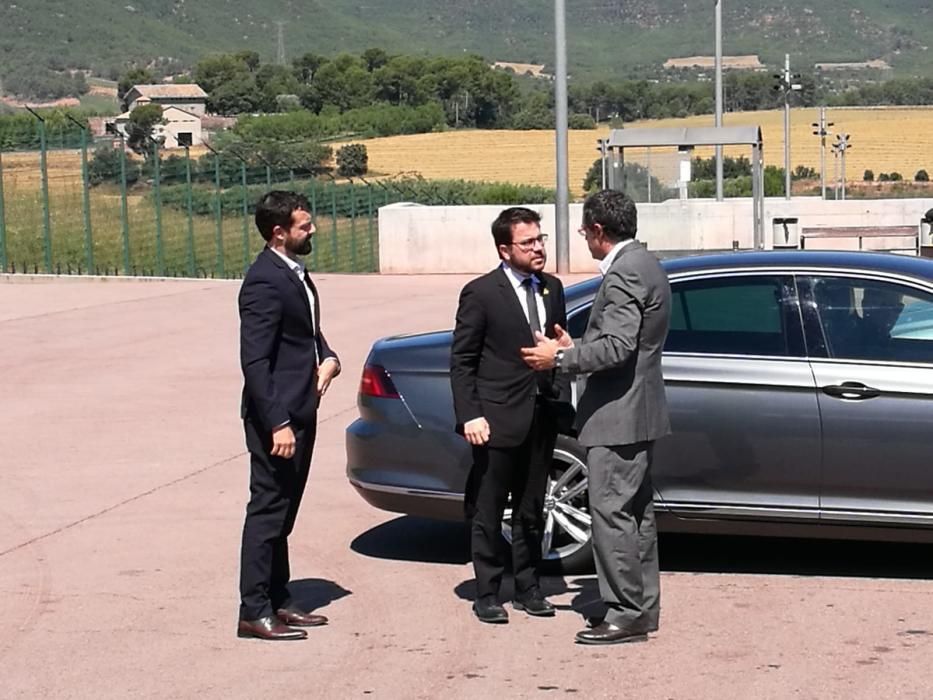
(123, 479)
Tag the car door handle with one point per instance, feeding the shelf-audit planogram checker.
(854, 391)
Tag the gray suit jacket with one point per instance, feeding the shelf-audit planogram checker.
(624, 402)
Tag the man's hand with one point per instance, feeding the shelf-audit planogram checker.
(476, 431)
(325, 375)
(283, 442)
(563, 337)
(541, 356)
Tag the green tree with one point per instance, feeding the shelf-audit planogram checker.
(352, 160)
(922, 176)
(868, 176)
(141, 128)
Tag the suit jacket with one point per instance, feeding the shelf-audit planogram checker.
(624, 401)
(487, 374)
(280, 350)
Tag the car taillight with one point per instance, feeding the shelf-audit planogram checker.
(376, 382)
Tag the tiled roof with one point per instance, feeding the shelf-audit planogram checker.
(164, 91)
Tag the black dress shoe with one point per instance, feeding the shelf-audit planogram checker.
(608, 633)
(535, 605)
(297, 618)
(269, 628)
(491, 612)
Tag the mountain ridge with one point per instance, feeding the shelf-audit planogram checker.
(605, 37)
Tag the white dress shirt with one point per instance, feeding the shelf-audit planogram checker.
(516, 278)
(299, 269)
(606, 262)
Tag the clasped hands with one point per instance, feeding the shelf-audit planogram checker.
(540, 357)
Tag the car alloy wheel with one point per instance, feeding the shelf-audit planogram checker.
(565, 542)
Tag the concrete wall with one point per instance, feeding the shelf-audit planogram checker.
(417, 239)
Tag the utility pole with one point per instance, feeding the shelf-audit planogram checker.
(786, 86)
(822, 129)
(842, 145)
(280, 53)
(562, 201)
(603, 153)
(719, 194)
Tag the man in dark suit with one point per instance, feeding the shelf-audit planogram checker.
(287, 367)
(506, 411)
(620, 414)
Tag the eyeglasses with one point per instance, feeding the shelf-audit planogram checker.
(582, 231)
(530, 243)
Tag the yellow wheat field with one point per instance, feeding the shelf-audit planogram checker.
(882, 139)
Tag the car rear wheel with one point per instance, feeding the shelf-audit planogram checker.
(566, 539)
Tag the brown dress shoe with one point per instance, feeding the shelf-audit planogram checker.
(297, 618)
(270, 628)
(608, 633)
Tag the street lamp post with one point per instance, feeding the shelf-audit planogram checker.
(719, 176)
(562, 201)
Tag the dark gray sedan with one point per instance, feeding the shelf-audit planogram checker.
(801, 393)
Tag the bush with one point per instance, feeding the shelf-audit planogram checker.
(352, 160)
(896, 176)
(868, 176)
(922, 176)
(802, 172)
(104, 166)
(581, 121)
(884, 177)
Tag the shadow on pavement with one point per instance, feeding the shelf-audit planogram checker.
(314, 593)
(794, 557)
(433, 541)
(416, 539)
(585, 601)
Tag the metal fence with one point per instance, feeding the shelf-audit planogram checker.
(109, 212)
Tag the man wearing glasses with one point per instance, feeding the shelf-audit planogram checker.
(507, 411)
(620, 414)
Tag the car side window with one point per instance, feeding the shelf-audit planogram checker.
(577, 320)
(865, 319)
(740, 315)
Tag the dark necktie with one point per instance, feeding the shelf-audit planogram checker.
(533, 319)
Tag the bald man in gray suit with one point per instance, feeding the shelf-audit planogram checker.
(620, 414)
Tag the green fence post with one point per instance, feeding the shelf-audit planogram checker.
(314, 259)
(86, 185)
(157, 182)
(3, 259)
(372, 249)
(192, 262)
(218, 215)
(245, 217)
(44, 173)
(333, 209)
(124, 214)
(352, 226)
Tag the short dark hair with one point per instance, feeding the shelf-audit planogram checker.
(614, 211)
(502, 226)
(275, 209)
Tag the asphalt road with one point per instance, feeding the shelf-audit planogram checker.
(123, 478)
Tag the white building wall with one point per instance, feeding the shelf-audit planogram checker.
(456, 239)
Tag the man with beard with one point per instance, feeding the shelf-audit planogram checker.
(287, 367)
(506, 411)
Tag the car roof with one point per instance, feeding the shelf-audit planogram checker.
(904, 265)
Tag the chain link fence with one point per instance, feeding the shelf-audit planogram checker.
(98, 209)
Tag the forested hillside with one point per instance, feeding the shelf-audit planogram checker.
(607, 38)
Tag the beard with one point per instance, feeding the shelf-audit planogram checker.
(302, 247)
